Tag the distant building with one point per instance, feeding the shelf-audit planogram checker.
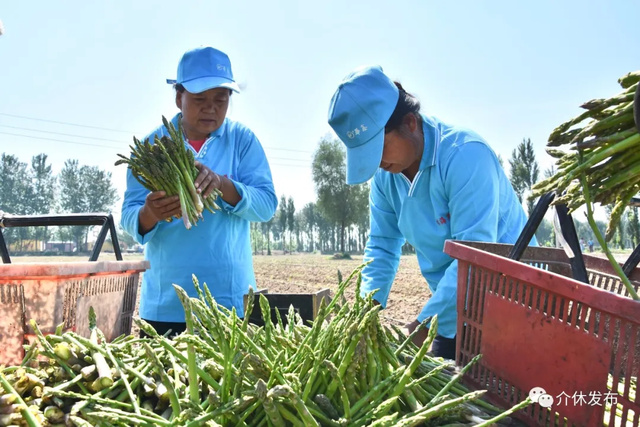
(28, 245)
(60, 247)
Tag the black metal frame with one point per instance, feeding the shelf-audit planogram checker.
(567, 226)
(103, 219)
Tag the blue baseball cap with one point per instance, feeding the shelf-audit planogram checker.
(358, 113)
(205, 68)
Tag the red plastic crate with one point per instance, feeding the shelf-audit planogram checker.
(535, 326)
(56, 293)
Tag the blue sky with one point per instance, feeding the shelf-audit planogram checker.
(507, 69)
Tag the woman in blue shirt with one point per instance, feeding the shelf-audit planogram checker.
(230, 158)
(432, 181)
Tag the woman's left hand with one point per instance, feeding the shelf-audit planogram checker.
(420, 336)
(207, 180)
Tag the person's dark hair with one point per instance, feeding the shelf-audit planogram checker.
(179, 88)
(407, 104)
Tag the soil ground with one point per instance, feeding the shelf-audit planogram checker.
(311, 273)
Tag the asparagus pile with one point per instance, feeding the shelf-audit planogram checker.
(346, 369)
(605, 148)
(167, 165)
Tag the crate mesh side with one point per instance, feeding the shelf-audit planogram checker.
(100, 285)
(620, 335)
(611, 283)
(11, 294)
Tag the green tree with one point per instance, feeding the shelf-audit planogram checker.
(125, 239)
(43, 183)
(266, 230)
(83, 190)
(335, 197)
(16, 194)
(549, 172)
(621, 234)
(282, 219)
(524, 171)
(299, 224)
(291, 218)
(310, 220)
(619, 237)
(361, 216)
(325, 234)
(544, 234)
(515, 175)
(633, 225)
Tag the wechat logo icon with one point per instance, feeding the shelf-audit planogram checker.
(539, 395)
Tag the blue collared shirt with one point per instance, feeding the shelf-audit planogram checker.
(217, 249)
(460, 192)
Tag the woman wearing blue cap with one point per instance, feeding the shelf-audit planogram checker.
(432, 181)
(229, 158)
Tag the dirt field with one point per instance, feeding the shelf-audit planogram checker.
(310, 273)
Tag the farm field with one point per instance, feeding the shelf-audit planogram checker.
(311, 273)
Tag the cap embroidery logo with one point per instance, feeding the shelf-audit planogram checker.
(353, 133)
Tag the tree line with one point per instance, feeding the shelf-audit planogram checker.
(33, 189)
(336, 222)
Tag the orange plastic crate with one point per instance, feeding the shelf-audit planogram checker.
(56, 293)
(535, 326)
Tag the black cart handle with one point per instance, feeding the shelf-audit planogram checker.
(103, 219)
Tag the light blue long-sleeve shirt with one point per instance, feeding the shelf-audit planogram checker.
(217, 249)
(460, 192)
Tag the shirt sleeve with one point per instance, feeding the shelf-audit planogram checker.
(254, 183)
(383, 247)
(134, 199)
(471, 183)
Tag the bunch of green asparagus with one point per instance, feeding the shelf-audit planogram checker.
(605, 148)
(345, 369)
(167, 165)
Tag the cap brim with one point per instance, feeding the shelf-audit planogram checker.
(363, 161)
(206, 83)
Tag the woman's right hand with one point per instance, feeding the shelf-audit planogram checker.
(157, 207)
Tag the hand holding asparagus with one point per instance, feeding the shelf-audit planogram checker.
(167, 166)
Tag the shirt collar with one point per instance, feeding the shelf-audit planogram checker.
(431, 133)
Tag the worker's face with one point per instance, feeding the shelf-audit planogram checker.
(401, 146)
(203, 113)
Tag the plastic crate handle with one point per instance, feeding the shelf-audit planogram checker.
(103, 219)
